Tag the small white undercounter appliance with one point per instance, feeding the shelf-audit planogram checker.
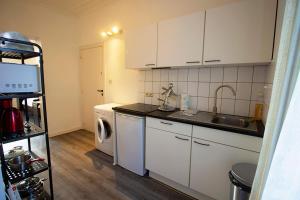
(130, 132)
(104, 127)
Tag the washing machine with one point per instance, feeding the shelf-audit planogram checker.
(104, 127)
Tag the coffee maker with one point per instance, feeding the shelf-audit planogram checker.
(11, 119)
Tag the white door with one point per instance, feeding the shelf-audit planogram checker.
(91, 84)
(180, 41)
(240, 32)
(168, 154)
(210, 164)
(141, 47)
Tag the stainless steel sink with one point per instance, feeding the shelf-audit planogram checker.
(231, 121)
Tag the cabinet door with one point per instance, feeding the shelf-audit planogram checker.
(240, 32)
(141, 47)
(210, 164)
(180, 41)
(168, 155)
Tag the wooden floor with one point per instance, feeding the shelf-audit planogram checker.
(82, 172)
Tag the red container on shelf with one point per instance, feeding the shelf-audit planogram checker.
(11, 119)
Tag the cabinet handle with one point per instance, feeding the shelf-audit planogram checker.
(185, 139)
(192, 62)
(149, 65)
(167, 123)
(203, 144)
(212, 61)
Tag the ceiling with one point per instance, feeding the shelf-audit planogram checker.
(79, 7)
(74, 7)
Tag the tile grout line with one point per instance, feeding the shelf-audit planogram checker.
(249, 111)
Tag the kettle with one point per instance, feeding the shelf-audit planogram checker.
(11, 119)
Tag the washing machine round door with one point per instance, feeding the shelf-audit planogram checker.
(104, 130)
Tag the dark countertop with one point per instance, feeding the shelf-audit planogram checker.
(256, 128)
(139, 109)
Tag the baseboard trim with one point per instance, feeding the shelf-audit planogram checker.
(179, 187)
(53, 134)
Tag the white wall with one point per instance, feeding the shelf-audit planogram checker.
(58, 35)
(122, 84)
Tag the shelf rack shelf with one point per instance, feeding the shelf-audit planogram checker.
(40, 166)
(35, 131)
(36, 168)
(17, 54)
(19, 95)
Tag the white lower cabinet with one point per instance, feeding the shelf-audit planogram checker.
(210, 164)
(168, 154)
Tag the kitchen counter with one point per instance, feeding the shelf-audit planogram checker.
(139, 109)
(255, 128)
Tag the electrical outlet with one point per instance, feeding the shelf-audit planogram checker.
(148, 94)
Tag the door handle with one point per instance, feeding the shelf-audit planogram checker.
(192, 62)
(167, 123)
(203, 144)
(212, 61)
(150, 64)
(185, 139)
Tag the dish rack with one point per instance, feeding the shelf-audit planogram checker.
(40, 166)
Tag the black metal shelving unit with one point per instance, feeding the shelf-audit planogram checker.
(10, 175)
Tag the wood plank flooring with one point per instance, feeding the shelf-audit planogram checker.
(82, 172)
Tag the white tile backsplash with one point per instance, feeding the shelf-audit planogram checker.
(193, 89)
(193, 74)
(201, 83)
(243, 91)
(194, 103)
(203, 89)
(242, 107)
(259, 74)
(173, 75)
(227, 106)
(257, 91)
(148, 86)
(156, 87)
(182, 87)
(164, 75)
(245, 74)
(156, 75)
(216, 74)
(204, 75)
(149, 75)
(182, 74)
(230, 74)
(202, 104)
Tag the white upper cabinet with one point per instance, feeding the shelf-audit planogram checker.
(180, 41)
(141, 47)
(240, 32)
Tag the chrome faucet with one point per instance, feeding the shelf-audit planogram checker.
(216, 94)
